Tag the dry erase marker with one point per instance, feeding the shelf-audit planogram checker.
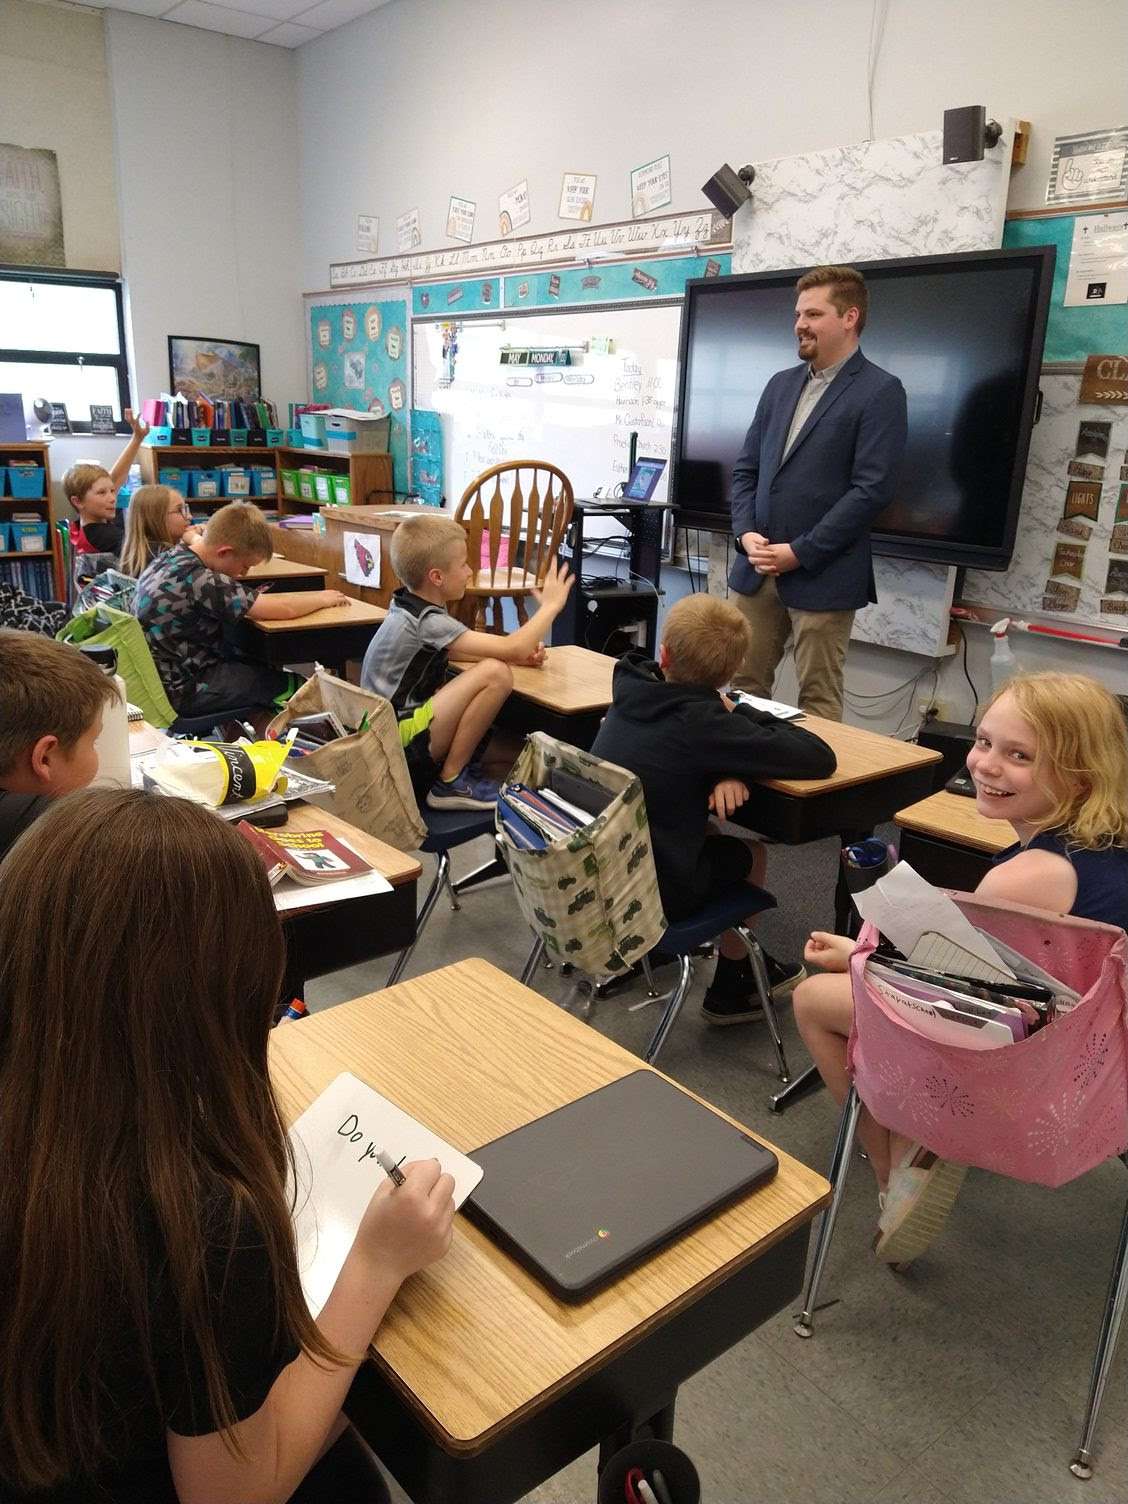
(662, 1493)
(389, 1166)
(645, 1492)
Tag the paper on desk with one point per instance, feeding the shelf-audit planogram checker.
(335, 1174)
(292, 895)
(926, 926)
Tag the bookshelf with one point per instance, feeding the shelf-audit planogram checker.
(157, 457)
(39, 571)
(369, 477)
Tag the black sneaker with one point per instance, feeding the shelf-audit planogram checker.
(740, 1007)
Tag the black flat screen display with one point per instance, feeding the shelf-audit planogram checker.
(964, 334)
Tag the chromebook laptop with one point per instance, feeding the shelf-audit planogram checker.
(589, 1190)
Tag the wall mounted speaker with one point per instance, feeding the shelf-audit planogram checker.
(967, 132)
(725, 191)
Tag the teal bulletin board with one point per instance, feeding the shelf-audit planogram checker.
(1072, 334)
(359, 360)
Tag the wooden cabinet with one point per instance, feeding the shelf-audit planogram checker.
(366, 479)
(156, 458)
(38, 570)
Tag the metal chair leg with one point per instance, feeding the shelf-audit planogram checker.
(672, 1009)
(839, 1169)
(764, 988)
(807, 1080)
(651, 987)
(440, 880)
(1115, 1302)
(531, 961)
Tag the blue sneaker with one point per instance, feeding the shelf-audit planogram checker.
(463, 792)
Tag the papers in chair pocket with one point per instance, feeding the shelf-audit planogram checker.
(336, 1175)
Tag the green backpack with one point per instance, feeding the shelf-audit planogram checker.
(143, 687)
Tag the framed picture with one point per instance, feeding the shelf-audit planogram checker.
(226, 368)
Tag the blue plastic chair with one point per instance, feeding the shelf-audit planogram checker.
(446, 829)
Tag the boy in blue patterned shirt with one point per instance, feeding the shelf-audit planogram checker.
(192, 596)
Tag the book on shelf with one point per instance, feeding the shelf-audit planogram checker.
(308, 856)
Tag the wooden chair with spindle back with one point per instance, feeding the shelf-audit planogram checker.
(515, 516)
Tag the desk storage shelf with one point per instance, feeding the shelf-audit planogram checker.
(37, 571)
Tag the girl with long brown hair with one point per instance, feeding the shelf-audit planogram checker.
(154, 1341)
(157, 518)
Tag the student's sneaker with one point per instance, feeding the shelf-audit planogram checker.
(463, 792)
(742, 1005)
(917, 1203)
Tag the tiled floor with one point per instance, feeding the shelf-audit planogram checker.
(963, 1379)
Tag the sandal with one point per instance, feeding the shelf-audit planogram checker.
(919, 1198)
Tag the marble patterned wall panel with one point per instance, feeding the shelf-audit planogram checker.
(911, 612)
(871, 202)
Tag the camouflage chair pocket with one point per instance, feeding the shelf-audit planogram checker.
(592, 897)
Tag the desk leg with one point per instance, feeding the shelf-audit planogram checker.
(656, 1427)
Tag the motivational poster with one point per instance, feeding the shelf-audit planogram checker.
(577, 195)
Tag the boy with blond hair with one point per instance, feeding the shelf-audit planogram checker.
(51, 703)
(92, 491)
(191, 598)
(697, 751)
(441, 724)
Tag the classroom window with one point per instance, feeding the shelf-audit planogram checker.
(64, 340)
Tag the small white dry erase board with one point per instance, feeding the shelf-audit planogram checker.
(335, 1141)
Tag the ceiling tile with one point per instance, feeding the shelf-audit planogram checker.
(234, 23)
(331, 13)
(289, 34)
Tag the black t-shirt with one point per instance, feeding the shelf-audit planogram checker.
(17, 812)
(251, 1355)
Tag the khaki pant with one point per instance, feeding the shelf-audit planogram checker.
(821, 640)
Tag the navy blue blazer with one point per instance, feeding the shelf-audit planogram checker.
(840, 473)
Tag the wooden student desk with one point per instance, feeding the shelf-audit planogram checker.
(287, 574)
(483, 1383)
(567, 697)
(330, 636)
(325, 931)
(949, 842)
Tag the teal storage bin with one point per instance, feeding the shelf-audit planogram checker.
(25, 480)
(205, 484)
(3, 479)
(236, 483)
(158, 436)
(274, 437)
(28, 537)
(313, 430)
(4, 538)
(264, 481)
(294, 438)
(180, 480)
(201, 437)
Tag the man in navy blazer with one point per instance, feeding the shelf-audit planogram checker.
(820, 461)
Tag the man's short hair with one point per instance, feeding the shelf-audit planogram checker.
(423, 543)
(707, 640)
(47, 688)
(846, 288)
(79, 478)
(240, 526)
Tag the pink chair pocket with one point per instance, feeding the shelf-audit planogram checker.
(1045, 1109)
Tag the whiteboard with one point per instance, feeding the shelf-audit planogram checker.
(578, 416)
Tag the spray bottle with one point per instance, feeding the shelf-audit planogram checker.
(1004, 665)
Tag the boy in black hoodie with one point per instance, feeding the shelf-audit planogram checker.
(696, 752)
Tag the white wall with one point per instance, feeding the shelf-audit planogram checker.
(206, 148)
(425, 98)
(54, 94)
